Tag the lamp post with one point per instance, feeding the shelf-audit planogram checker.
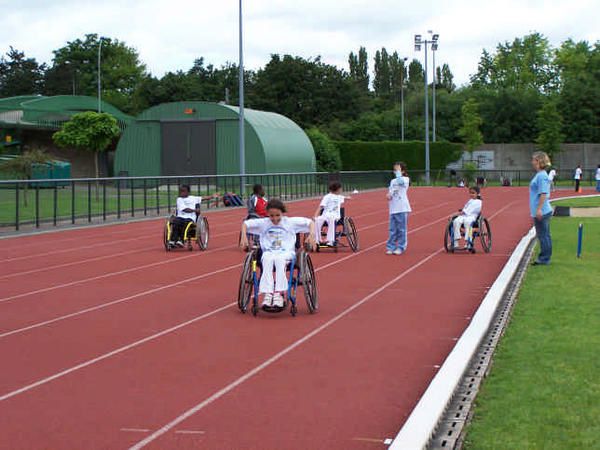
(241, 104)
(418, 43)
(434, 47)
(99, 77)
(402, 97)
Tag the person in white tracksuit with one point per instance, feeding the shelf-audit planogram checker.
(331, 205)
(467, 216)
(277, 240)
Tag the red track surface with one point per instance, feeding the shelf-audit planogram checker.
(106, 339)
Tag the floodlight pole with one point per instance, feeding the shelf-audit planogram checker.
(402, 98)
(434, 83)
(427, 169)
(99, 77)
(241, 104)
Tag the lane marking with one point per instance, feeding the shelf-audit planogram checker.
(277, 356)
(135, 430)
(189, 432)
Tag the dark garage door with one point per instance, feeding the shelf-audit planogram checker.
(188, 148)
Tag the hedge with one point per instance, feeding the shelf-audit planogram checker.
(359, 155)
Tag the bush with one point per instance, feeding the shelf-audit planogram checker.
(326, 152)
(381, 155)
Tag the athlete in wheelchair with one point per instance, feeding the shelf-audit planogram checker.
(186, 225)
(469, 225)
(265, 269)
(332, 223)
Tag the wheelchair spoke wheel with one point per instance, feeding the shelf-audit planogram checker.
(309, 282)
(246, 284)
(166, 236)
(351, 233)
(485, 234)
(449, 238)
(202, 233)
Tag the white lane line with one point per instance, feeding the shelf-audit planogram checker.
(113, 353)
(135, 430)
(116, 302)
(159, 334)
(189, 432)
(277, 356)
(81, 261)
(111, 274)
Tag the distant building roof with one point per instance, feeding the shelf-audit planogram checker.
(29, 111)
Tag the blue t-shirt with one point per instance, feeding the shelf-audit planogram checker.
(540, 184)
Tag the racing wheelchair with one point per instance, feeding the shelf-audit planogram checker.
(344, 228)
(197, 232)
(300, 273)
(480, 228)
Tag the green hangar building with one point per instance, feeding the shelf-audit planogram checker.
(200, 138)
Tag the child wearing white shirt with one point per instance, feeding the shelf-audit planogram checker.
(329, 212)
(188, 210)
(468, 214)
(399, 207)
(577, 177)
(278, 241)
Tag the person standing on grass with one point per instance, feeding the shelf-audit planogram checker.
(551, 176)
(577, 177)
(598, 178)
(399, 207)
(539, 205)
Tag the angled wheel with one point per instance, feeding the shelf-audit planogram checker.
(351, 233)
(167, 235)
(246, 283)
(309, 282)
(202, 233)
(485, 234)
(448, 237)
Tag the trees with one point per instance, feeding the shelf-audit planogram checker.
(381, 81)
(549, 123)
(22, 166)
(471, 121)
(88, 131)
(359, 69)
(326, 153)
(20, 75)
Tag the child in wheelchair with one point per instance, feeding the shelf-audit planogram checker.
(187, 210)
(329, 212)
(277, 235)
(468, 215)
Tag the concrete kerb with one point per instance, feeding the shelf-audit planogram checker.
(421, 424)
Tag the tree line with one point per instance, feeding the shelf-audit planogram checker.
(522, 91)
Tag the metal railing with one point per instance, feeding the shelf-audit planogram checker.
(53, 202)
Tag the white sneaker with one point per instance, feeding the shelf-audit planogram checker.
(267, 300)
(278, 300)
(171, 243)
(397, 252)
(389, 252)
(179, 243)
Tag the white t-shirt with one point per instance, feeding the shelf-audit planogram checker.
(280, 237)
(188, 202)
(598, 174)
(472, 208)
(397, 190)
(551, 174)
(578, 173)
(331, 204)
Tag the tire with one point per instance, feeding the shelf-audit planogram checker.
(309, 282)
(351, 234)
(246, 283)
(202, 233)
(167, 235)
(485, 234)
(448, 241)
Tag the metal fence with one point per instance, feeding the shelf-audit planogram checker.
(37, 203)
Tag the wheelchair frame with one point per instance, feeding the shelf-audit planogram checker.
(201, 233)
(301, 273)
(480, 229)
(348, 231)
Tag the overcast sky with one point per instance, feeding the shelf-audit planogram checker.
(169, 35)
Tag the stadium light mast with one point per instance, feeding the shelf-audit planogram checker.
(99, 76)
(241, 106)
(434, 46)
(419, 42)
(402, 97)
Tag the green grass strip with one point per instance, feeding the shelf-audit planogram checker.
(543, 391)
(584, 202)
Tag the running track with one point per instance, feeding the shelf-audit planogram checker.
(108, 342)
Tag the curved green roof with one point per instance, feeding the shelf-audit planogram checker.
(274, 143)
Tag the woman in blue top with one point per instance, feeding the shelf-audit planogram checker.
(539, 206)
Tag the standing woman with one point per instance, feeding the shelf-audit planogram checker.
(539, 205)
(399, 209)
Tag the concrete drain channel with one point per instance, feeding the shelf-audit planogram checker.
(451, 426)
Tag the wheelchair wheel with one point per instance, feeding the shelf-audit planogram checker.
(202, 233)
(485, 234)
(351, 233)
(246, 284)
(309, 282)
(448, 238)
(167, 235)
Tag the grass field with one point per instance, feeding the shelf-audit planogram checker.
(544, 388)
(585, 202)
